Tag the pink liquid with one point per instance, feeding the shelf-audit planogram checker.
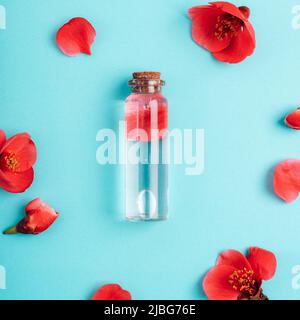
(145, 112)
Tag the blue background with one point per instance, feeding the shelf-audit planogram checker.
(63, 102)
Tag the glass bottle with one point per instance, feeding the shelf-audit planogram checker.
(146, 136)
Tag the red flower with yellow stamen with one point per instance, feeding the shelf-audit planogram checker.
(236, 277)
(17, 157)
(223, 29)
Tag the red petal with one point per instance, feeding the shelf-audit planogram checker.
(241, 46)
(287, 180)
(112, 292)
(34, 205)
(203, 29)
(2, 139)
(293, 120)
(16, 182)
(263, 263)
(229, 8)
(76, 37)
(216, 285)
(234, 259)
(40, 217)
(23, 149)
(194, 12)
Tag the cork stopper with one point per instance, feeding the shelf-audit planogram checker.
(146, 75)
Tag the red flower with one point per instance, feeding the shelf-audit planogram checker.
(112, 292)
(293, 120)
(39, 217)
(237, 277)
(76, 37)
(287, 180)
(224, 30)
(17, 156)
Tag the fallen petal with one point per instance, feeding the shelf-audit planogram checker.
(287, 180)
(112, 292)
(293, 120)
(76, 37)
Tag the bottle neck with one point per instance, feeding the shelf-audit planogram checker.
(145, 90)
(142, 86)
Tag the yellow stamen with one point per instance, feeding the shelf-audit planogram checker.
(11, 162)
(242, 281)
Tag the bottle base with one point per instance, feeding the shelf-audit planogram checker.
(143, 218)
